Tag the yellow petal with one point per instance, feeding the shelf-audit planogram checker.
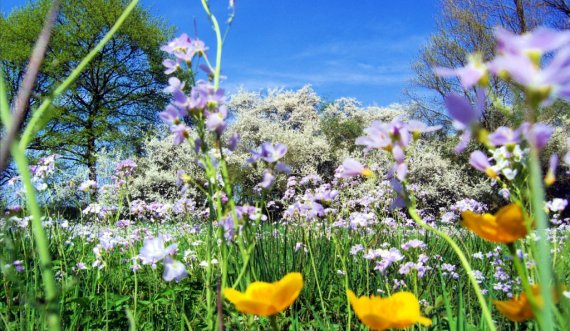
(482, 225)
(255, 307)
(404, 310)
(401, 310)
(511, 219)
(361, 306)
(515, 309)
(233, 296)
(374, 322)
(424, 321)
(507, 226)
(287, 290)
(260, 291)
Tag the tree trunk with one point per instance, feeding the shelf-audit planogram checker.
(520, 15)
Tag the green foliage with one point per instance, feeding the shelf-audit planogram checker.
(341, 133)
(115, 99)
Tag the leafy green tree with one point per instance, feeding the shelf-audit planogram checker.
(115, 100)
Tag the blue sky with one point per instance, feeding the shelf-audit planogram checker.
(361, 49)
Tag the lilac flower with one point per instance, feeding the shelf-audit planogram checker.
(326, 196)
(464, 140)
(504, 136)
(449, 270)
(384, 136)
(153, 250)
(399, 171)
(19, 265)
(464, 115)
(178, 44)
(537, 134)
(356, 248)
(233, 142)
(268, 152)
(541, 40)
(415, 243)
(184, 48)
(505, 193)
(479, 276)
(181, 133)
(282, 168)
(173, 270)
(475, 71)
(417, 128)
(88, 186)
(546, 83)
(360, 220)
(478, 256)
(480, 162)
(202, 96)
(171, 66)
(461, 110)
(174, 84)
(351, 168)
(407, 268)
(229, 227)
(125, 168)
(268, 179)
(171, 115)
(215, 120)
(123, 223)
(199, 46)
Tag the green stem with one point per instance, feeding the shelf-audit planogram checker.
(543, 246)
(317, 279)
(525, 284)
(40, 238)
(274, 325)
(32, 127)
(219, 42)
(465, 264)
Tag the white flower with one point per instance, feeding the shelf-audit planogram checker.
(557, 204)
(153, 250)
(173, 270)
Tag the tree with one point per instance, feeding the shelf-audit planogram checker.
(115, 100)
(466, 27)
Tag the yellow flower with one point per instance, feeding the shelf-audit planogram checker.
(266, 299)
(519, 308)
(398, 311)
(505, 227)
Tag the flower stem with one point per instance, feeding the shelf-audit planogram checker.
(40, 238)
(274, 325)
(464, 263)
(317, 279)
(525, 284)
(543, 247)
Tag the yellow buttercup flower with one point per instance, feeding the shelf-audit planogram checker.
(266, 299)
(505, 227)
(398, 311)
(519, 308)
